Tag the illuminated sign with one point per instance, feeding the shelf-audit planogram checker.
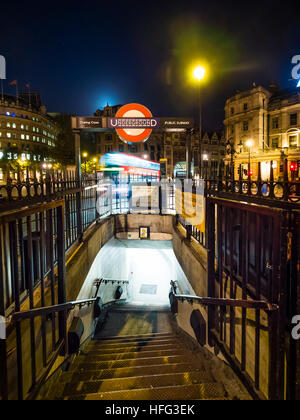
(133, 123)
(133, 111)
(176, 123)
(144, 232)
(192, 206)
(87, 122)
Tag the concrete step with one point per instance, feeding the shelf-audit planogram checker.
(141, 308)
(111, 364)
(136, 382)
(145, 336)
(134, 342)
(204, 391)
(124, 372)
(92, 350)
(98, 356)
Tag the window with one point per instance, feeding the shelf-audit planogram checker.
(245, 126)
(275, 143)
(232, 129)
(108, 137)
(22, 127)
(293, 141)
(14, 125)
(8, 135)
(108, 149)
(27, 137)
(133, 149)
(8, 125)
(245, 106)
(293, 119)
(121, 148)
(231, 110)
(22, 136)
(275, 123)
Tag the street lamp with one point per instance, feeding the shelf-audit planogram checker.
(85, 156)
(199, 74)
(249, 144)
(95, 166)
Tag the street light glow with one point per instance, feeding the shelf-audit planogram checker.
(84, 154)
(199, 73)
(249, 143)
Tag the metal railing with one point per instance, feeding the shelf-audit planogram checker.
(32, 376)
(217, 323)
(278, 192)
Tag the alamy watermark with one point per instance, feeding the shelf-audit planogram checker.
(142, 195)
(2, 328)
(2, 67)
(296, 329)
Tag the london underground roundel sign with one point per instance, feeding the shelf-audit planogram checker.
(134, 111)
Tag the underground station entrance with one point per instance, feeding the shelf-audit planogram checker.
(145, 292)
(141, 347)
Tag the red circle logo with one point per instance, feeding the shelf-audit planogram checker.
(133, 135)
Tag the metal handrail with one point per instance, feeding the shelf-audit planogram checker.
(32, 313)
(242, 303)
(50, 309)
(113, 281)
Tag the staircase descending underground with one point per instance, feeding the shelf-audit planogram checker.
(138, 356)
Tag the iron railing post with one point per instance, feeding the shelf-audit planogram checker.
(3, 349)
(210, 281)
(61, 272)
(79, 186)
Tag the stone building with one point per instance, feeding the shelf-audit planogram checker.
(27, 134)
(263, 125)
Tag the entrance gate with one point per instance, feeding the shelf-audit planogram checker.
(252, 256)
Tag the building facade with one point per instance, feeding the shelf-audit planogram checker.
(162, 144)
(263, 125)
(27, 134)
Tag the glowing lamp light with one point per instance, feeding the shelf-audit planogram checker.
(249, 143)
(293, 167)
(199, 73)
(84, 154)
(250, 173)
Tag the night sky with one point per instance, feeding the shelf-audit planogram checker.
(81, 55)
